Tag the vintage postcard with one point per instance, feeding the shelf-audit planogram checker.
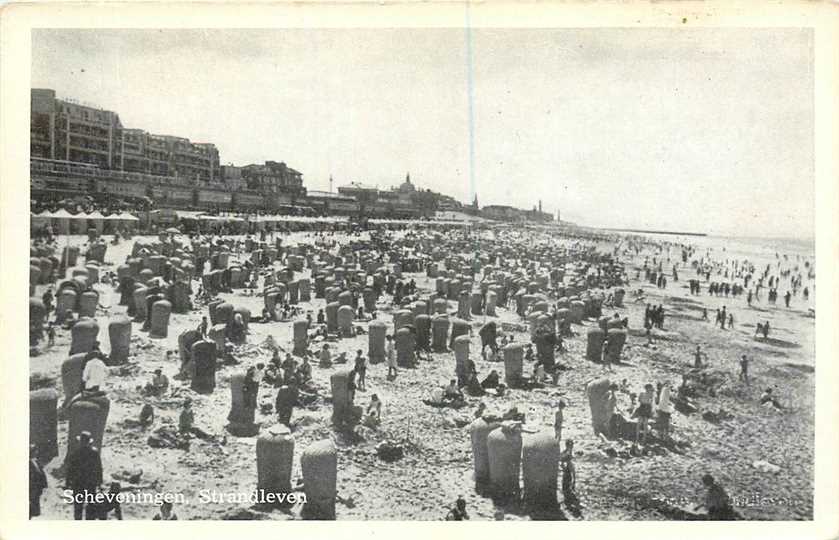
(421, 262)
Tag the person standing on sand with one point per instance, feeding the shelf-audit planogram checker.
(644, 412)
(612, 407)
(202, 328)
(360, 367)
(665, 411)
(606, 355)
(558, 419)
(744, 370)
(569, 477)
(83, 475)
(390, 355)
(37, 482)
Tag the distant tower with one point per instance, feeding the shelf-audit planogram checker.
(540, 206)
(330, 183)
(408, 178)
(475, 202)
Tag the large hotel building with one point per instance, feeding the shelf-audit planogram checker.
(78, 149)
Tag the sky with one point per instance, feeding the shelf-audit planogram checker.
(697, 130)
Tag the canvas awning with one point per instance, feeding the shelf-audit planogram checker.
(188, 214)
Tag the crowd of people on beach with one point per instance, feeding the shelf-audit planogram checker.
(289, 378)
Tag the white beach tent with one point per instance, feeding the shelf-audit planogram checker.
(129, 220)
(98, 221)
(61, 221)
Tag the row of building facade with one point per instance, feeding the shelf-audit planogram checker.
(68, 131)
(81, 149)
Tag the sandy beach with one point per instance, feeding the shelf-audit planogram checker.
(437, 465)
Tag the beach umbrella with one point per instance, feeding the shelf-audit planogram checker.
(172, 230)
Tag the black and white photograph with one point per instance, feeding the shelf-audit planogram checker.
(422, 273)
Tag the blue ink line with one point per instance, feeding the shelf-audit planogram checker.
(470, 91)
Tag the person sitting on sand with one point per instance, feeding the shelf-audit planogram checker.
(538, 372)
(491, 381)
(374, 412)
(186, 422)
(146, 415)
(274, 373)
(289, 367)
(513, 414)
(325, 357)
(159, 384)
(165, 513)
(304, 371)
(438, 395)
(479, 412)
(321, 318)
(452, 392)
(473, 385)
(716, 501)
(458, 511)
(768, 398)
(697, 357)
